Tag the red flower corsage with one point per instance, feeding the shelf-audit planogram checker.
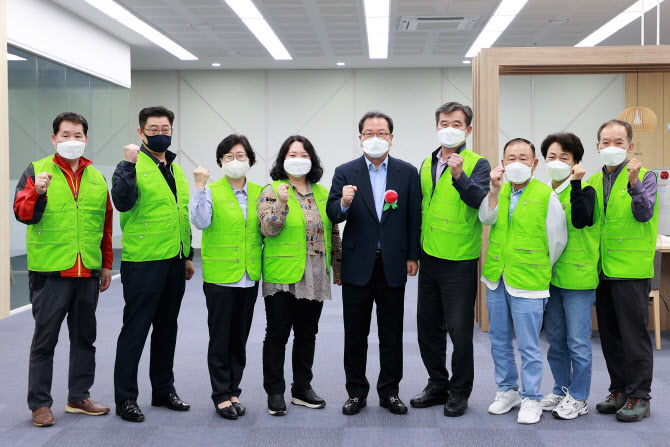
(391, 199)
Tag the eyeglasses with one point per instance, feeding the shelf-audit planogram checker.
(152, 131)
(231, 157)
(381, 135)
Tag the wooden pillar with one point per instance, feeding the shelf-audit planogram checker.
(4, 166)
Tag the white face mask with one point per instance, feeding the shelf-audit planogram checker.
(375, 147)
(613, 156)
(297, 167)
(557, 170)
(71, 150)
(517, 172)
(235, 169)
(451, 137)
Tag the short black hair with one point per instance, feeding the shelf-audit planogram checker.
(629, 128)
(71, 117)
(155, 111)
(451, 107)
(278, 173)
(233, 140)
(375, 114)
(569, 142)
(519, 140)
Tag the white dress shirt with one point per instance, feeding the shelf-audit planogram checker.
(557, 237)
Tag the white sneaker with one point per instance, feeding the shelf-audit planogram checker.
(570, 408)
(505, 401)
(550, 401)
(530, 411)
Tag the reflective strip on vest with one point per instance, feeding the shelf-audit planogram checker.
(627, 247)
(68, 227)
(577, 268)
(285, 255)
(450, 228)
(156, 227)
(518, 244)
(232, 245)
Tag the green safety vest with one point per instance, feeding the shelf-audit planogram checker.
(627, 247)
(156, 227)
(577, 268)
(518, 243)
(285, 255)
(450, 228)
(232, 244)
(67, 226)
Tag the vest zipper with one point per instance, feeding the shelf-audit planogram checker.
(76, 205)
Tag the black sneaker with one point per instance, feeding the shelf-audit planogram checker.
(456, 405)
(307, 398)
(276, 405)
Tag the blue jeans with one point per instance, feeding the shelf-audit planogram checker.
(509, 315)
(567, 326)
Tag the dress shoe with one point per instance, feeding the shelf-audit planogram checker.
(307, 398)
(129, 411)
(241, 409)
(430, 396)
(172, 401)
(353, 405)
(276, 405)
(456, 405)
(393, 404)
(228, 412)
(87, 406)
(43, 417)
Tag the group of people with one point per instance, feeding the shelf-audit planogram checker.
(553, 251)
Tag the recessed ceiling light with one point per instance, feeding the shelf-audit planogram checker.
(124, 17)
(499, 21)
(253, 19)
(427, 51)
(232, 52)
(341, 64)
(467, 62)
(216, 64)
(558, 21)
(200, 25)
(13, 57)
(616, 24)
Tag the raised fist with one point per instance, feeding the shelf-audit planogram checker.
(131, 152)
(497, 178)
(282, 193)
(348, 193)
(42, 181)
(578, 172)
(201, 175)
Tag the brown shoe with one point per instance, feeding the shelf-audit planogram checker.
(43, 417)
(86, 407)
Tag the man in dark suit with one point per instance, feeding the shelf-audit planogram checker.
(380, 248)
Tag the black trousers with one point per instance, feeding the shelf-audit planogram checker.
(284, 311)
(622, 308)
(53, 298)
(357, 304)
(230, 312)
(152, 291)
(447, 293)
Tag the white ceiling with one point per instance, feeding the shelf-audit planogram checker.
(320, 33)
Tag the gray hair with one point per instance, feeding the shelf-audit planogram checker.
(453, 107)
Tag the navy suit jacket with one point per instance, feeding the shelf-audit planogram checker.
(399, 230)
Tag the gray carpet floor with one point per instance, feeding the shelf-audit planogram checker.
(374, 426)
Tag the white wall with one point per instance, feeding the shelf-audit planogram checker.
(48, 30)
(325, 106)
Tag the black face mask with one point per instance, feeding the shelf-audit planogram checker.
(158, 143)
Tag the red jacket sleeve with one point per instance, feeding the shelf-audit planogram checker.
(28, 204)
(106, 244)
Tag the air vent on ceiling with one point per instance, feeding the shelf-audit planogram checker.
(437, 24)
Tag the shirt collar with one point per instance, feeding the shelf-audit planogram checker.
(561, 187)
(244, 190)
(169, 156)
(618, 170)
(383, 163)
